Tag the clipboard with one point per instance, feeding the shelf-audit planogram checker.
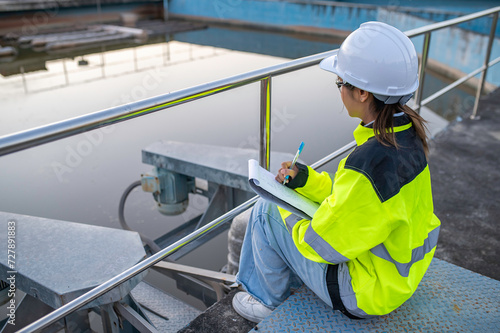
(264, 184)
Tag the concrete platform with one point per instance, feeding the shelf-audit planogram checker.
(219, 318)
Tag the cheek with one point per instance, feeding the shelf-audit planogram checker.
(348, 103)
(343, 95)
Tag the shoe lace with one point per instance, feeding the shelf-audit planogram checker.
(252, 299)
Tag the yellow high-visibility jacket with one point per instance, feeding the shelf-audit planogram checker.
(376, 220)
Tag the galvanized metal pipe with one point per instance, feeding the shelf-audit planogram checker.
(486, 61)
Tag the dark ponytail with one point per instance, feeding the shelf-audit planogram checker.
(384, 123)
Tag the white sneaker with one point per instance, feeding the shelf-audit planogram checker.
(250, 308)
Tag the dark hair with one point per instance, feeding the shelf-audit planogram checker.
(383, 125)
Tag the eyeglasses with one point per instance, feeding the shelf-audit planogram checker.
(341, 83)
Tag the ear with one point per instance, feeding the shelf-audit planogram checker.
(363, 95)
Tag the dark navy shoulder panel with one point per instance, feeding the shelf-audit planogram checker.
(388, 168)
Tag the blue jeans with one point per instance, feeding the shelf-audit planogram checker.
(270, 263)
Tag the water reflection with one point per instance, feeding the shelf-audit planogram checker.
(98, 66)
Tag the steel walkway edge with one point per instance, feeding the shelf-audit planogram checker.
(449, 299)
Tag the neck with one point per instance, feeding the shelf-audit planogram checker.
(367, 117)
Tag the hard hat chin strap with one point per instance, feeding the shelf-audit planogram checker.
(394, 99)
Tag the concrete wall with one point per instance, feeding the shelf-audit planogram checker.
(346, 15)
(274, 13)
(440, 10)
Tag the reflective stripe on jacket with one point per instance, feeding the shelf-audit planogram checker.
(375, 221)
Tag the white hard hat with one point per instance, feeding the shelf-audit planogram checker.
(377, 58)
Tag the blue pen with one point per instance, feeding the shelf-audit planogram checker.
(294, 160)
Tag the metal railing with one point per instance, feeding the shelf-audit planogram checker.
(66, 128)
(427, 30)
(34, 137)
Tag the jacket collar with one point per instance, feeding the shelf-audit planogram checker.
(362, 133)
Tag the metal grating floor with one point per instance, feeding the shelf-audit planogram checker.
(179, 314)
(449, 299)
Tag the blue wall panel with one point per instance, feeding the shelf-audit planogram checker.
(455, 47)
(275, 13)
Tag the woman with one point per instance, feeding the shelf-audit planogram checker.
(371, 241)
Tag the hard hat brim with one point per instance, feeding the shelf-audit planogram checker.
(330, 64)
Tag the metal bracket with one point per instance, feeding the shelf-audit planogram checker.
(216, 280)
(196, 272)
(110, 321)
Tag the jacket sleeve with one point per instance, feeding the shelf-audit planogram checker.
(315, 186)
(350, 221)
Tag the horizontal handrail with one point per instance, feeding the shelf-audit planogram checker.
(426, 31)
(33, 137)
(63, 129)
(458, 82)
(333, 155)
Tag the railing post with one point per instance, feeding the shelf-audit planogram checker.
(265, 123)
(25, 85)
(165, 10)
(479, 90)
(421, 76)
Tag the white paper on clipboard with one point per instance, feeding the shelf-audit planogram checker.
(264, 184)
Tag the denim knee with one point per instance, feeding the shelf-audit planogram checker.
(262, 206)
(266, 211)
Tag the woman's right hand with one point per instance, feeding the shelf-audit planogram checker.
(285, 171)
